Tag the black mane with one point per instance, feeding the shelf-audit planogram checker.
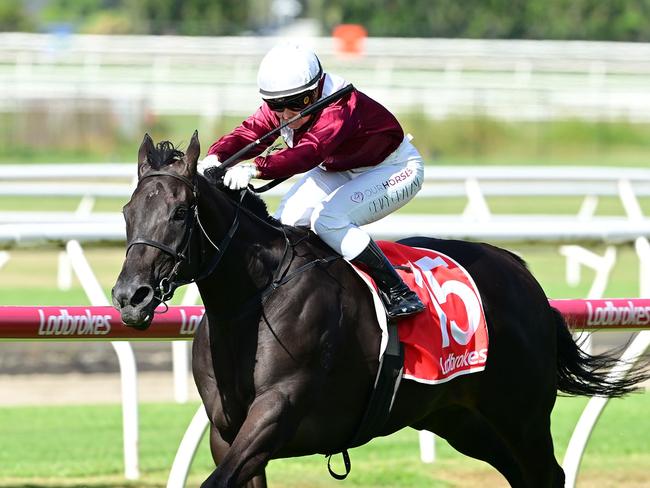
(163, 154)
(252, 201)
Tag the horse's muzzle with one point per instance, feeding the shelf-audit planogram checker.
(135, 303)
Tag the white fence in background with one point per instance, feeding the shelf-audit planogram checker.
(636, 349)
(473, 184)
(512, 79)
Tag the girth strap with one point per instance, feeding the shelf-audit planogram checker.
(380, 403)
(389, 377)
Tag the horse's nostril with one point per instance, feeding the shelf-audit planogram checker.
(142, 295)
(120, 297)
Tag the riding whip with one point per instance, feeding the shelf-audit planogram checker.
(313, 108)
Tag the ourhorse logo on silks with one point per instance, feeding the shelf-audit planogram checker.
(393, 180)
(66, 324)
(357, 197)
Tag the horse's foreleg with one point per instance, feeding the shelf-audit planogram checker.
(219, 449)
(263, 432)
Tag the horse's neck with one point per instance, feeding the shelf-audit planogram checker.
(250, 259)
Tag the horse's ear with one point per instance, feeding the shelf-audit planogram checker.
(145, 148)
(192, 153)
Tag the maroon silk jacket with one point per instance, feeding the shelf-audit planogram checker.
(352, 132)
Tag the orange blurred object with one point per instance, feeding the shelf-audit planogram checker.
(349, 38)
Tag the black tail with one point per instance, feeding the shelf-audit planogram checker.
(579, 373)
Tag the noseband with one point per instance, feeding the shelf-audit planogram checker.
(169, 283)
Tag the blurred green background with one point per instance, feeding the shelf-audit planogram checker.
(617, 20)
(32, 132)
(481, 141)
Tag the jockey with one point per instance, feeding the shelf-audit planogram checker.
(358, 166)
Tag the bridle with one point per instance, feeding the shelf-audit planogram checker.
(169, 283)
(181, 254)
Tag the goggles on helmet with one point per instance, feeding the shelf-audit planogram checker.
(295, 103)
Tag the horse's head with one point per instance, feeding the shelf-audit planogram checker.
(160, 218)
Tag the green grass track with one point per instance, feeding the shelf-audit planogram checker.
(82, 446)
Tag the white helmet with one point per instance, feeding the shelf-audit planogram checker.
(288, 69)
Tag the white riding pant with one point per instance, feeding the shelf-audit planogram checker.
(335, 203)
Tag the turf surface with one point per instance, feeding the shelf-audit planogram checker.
(81, 446)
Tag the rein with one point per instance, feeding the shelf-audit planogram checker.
(261, 296)
(169, 283)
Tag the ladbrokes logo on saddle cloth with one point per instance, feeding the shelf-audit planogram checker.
(450, 337)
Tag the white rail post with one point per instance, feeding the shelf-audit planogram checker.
(427, 446)
(64, 272)
(477, 208)
(596, 405)
(629, 201)
(577, 256)
(187, 448)
(180, 352)
(125, 357)
(594, 408)
(85, 207)
(642, 247)
(4, 258)
(180, 370)
(588, 208)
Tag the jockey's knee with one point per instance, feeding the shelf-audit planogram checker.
(324, 223)
(293, 215)
(339, 233)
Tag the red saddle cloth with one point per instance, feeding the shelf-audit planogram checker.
(450, 337)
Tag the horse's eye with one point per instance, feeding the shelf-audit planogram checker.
(180, 213)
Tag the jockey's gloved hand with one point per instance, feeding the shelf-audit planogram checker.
(210, 161)
(240, 176)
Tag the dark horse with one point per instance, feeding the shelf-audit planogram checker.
(287, 354)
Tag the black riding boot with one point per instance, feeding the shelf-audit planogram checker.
(400, 301)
